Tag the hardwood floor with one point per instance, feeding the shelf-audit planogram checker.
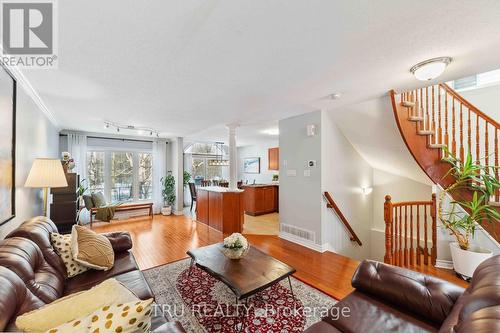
(163, 239)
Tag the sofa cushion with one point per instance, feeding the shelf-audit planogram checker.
(368, 314)
(23, 257)
(133, 280)
(15, 298)
(425, 296)
(38, 230)
(74, 306)
(91, 249)
(322, 327)
(124, 262)
(62, 245)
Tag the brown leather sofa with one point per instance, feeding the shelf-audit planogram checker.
(32, 274)
(393, 299)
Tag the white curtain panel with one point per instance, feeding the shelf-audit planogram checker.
(159, 171)
(77, 147)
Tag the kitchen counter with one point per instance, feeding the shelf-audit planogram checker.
(220, 208)
(261, 185)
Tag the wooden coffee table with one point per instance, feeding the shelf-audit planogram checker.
(246, 276)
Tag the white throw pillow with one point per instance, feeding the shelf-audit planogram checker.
(62, 245)
(128, 317)
(74, 306)
(91, 249)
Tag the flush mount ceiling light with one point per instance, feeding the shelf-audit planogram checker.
(430, 69)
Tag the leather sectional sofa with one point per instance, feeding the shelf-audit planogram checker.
(393, 299)
(32, 274)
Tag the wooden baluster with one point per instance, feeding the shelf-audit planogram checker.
(418, 235)
(427, 120)
(486, 147)
(388, 230)
(433, 127)
(411, 236)
(446, 138)
(400, 236)
(395, 238)
(469, 134)
(434, 230)
(461, 133)
(426, 258)
(497, 194)
(477, 140)
(406, 237)
(439, 129)
(421, 105)
(453, 131)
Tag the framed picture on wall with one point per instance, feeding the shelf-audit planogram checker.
(251, 165)
(7, 145)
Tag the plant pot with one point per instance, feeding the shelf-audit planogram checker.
(167, 210)
(465, 262)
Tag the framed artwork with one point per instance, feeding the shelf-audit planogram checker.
(7, 145)
(251, 165)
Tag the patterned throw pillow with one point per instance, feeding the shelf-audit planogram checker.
(91, 249)
(122, 318)
(62, 245)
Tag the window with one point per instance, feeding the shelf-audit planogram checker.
(200, 156)
(121, 176)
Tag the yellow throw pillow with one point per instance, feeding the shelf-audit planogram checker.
(74, 306)
(91, 249)
(128, 317)
(62, 245)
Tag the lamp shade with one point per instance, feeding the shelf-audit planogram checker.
(46, 172)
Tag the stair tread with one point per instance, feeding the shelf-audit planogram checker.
(425, 132)
(436, 145)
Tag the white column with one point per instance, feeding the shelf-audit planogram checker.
(233, 159)
(177, 151)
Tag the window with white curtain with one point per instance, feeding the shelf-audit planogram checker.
(122, 170)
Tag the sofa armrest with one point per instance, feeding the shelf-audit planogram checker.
(424, 295)
(170, 327)
(120, 240)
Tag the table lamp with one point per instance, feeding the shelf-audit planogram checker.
(46, 173)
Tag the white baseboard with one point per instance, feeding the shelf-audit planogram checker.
(303, 242)
(446, 264)
(178, 213)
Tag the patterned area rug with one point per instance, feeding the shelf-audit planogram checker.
(203, 304)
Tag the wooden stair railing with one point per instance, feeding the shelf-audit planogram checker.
(434, 117)
(331, 204)
(407, 228)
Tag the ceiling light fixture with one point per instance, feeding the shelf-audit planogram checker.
(335, 95)
(272, 131)
(139, 130)
(430, 69)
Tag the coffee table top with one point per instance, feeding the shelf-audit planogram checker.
(246, 276)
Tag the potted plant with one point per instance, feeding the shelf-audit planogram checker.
(186, 178)
(480, 180)
(168, 193)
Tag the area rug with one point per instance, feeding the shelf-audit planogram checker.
(203, 304)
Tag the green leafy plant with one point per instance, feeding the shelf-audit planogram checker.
(168, 191)
(186, 178)
(478, 179)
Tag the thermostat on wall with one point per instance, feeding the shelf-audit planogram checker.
(311, 163)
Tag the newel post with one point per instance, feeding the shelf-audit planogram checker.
(388, 229)
(434, 230)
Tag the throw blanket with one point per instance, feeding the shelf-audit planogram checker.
(106, 213)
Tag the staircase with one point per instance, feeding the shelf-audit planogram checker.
(434, 117)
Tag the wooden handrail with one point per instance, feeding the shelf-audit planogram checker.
(331, 204)
(465, 102)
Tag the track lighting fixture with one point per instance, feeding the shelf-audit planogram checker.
(139, 130)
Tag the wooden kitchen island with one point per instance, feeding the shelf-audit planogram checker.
(220, 208)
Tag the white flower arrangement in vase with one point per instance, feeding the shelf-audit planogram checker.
(235, 246)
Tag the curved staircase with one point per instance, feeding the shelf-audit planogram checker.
(437, 116)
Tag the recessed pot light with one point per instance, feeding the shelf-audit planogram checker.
(430, 69)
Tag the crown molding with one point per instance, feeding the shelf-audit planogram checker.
(33, 94)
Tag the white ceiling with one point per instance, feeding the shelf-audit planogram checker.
(188, 67)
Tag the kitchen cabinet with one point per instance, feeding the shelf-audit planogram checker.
(273, 155)
(261, 199)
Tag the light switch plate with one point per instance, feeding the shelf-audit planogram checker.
(291, 173)
(307, 173)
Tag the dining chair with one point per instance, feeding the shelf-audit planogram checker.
(192, 190)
